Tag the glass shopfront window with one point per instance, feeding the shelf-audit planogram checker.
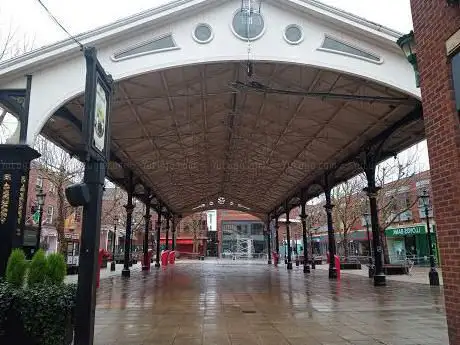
(411, 243)
(243, 239)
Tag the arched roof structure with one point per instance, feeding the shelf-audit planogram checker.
(203, 115)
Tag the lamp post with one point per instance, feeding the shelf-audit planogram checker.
(297, 262)
(433, 275)
(407, 45)
(113, 264)
(41, 202)
(285, 250)
(367, 220)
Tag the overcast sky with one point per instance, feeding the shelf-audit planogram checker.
(81, 15)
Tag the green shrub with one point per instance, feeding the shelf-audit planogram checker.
(7, 294)
(16, 268)
(56, 268)
(46, 312)
(37, 269)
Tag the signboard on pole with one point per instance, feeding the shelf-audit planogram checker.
(100, 118)
(96, 120)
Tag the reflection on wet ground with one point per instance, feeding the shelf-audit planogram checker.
(218, 303)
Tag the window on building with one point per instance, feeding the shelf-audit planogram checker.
(52, 189)
(403, 201)
(210, 221)
(157, 45)
(50, 214)
(336, 45)
(257, 229)
(39, 182)
(78, 215)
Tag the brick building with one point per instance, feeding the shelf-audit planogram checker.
(402, 219)
(436, 28)
(49, 236)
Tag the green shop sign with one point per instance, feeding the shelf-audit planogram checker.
(407, 231)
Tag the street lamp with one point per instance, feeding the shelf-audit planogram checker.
(367, 220)
(114, 239)
(407, 45)
(433, 275)
(41, 202)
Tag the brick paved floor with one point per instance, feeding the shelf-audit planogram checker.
(226, 303)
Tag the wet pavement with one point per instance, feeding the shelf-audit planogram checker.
(225, 302)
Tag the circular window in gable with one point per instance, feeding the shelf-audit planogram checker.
(293, 34)
(248, 26)
(203, 33)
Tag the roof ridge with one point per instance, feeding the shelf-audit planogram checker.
(49, 48)
(352, 16)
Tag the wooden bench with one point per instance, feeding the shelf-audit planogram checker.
(395, 269)
(318, 260)
(350, 265)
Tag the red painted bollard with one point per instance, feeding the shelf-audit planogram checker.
(172, 257)
(146, 261)
(99, 264)
(164, 258)
(337, 266)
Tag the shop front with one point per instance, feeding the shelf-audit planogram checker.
(410, 242)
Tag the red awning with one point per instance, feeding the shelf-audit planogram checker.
(178, 241)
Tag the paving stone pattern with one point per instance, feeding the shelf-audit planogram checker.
(225, 303)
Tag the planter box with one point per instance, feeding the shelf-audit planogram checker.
(24, 319)
(16, 334)
(350, 266)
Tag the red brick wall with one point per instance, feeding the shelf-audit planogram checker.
(434, 23)
(50, 200)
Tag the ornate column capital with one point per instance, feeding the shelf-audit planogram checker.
(328, 207)
(129, 208)
(372, 192)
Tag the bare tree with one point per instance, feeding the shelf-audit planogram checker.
(348, 201)
(396, 198)
(11, 45)
(194, 224)
(61, 170)
(114, 200)
(316, 219)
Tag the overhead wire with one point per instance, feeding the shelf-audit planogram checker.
(60, 25)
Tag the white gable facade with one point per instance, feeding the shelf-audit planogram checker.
(294, 32)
